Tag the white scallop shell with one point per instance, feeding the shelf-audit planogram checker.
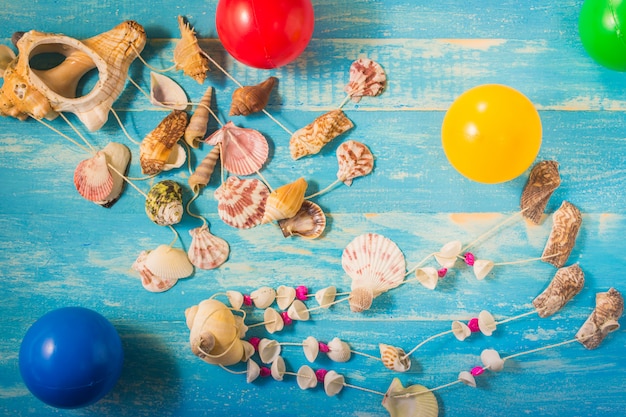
(311, 348)
(306, 377)
(427, 276)
(338, 350)
(333, 383)
(326, 296)
(241, 202)
(252, 371)
(448, 254)
(235, 298)
(298, 311)
(269, 350)
(394, 358)
(278, 368)
(206, 250)
(413, 401)
(263, 297)
(273, 321)
(460, 330)
(467, 378)
(165, 92)
(482, 267)
(486, 323)
(491, 360)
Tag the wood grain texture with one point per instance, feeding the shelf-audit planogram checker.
(57, 249)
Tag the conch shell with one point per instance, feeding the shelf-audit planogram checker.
(311, 139)
(567, 282)
(44, 93)
(566, 224)
(544, 178)
(187, 54)
(252, 98)
(603, 319)
(156, 147)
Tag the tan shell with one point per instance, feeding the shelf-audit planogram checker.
(309, 222)
(567, 282)
(284, 202)
(156, 147)
(202, 174)
(355, 160)
(253, 98)
(413, 401)
(6, 57)
(311, 348)
(394, 358)
(253, 370)
(603, 319)
(339, 351)
(188, 56)
(199, 120)
(311, 139)
(361, 299)
(544, 178)
(149, 280)
(566, 224)
(167, 93)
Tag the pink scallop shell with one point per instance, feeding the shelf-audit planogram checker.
(92, 178)
(206, 250)
(244, 151)
(241, 202)
(355, 160)
(367, 78)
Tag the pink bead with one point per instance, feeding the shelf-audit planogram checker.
(469, 258)
(247, 300)
(478, 370)
(442, 272)
(473, 325)
(265, 371)
(324, 347)
(286, 319)
(302, 292)
(321, 374)
(254, 341)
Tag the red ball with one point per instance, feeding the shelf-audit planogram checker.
(265, 33)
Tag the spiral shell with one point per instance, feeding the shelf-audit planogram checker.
(394, 358)
(241, 202)
(566, 224)
(155, 148)
(309, 222)
(206, 250)
(164, 203)
(544, 178)
(567, 282)
(187, 54)
(253, 98)
(199, 120)
(355, 160)
(285, 202)
(311, 139)
(202, 174)
(603, 319)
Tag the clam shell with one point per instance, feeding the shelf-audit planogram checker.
(566, 224)
(165, 92)
(543, 180)
(448, 254)
(235, 298)
(311, 348)
(92, 178)
(150, 281)
(263, 297)
(284, 202)
(367, 78)
(566, 283)
(278, 368)
(355, 160)
(394, 358)
(269, 350)
(273, 321)
(188, 56)
(602, 320)
(164, 203)
(482, 268)
(202, 174)
(285, 296)
(155, 148)
(311, 139)
(243, 151)
(118, 156)
(253, 370)
(241, 202)
(298, 311)
(199, 120)
(339, 351)
(361, 299)
(414, 401)
(333, 383)
(460, 330)
(486, 323)
(309, 222)
(491, 360)
(427, 276)
(207, 251)
(253, 98)
(306, 378)
(467, 378)
(326, 296)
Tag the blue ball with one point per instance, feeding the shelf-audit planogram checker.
(71, 357)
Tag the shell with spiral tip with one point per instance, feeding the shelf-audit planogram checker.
(202, 174)
(285, 201)
(311, 139)
(375, 264)
(309, 222)
(92, 178)
(199, 120)
(118, 156)
(603, 319)
(156, 147)
(243, 151)
(161, 268)
(567, 282)
(566, 224)
(241, 202)
(544, 178)
(394, 358)
(188, 56)
(412, 401)
(164, 203)
(207, 251)
(367, 78)
(355, 160)
(252, 98)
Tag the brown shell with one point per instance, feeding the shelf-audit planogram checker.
(202, 175)
(567, 282)
(187, 54)
(311, 139)
(157, 145)
(252, 98)
(309, 222)
(544, 178)
(603, 319)
(566, 224)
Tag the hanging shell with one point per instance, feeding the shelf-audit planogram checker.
(155, 148)
(412, 401)
(567, 282)
(467, 378)
(243, 151)
(375, 264)
(491, 360)
(253, 370)
(311, 348)
(394, 358)
(202, 174)
(544, 178)
(118, 156)
(333, 383)
(339, 351)
(269, 350)
(285, 296)
(306, 377)
(164, 203)
(326, 296)
(199, 120)
(367, 78)
(188, 56)
(6, 57)
(92, 178)
(263, 297)
(278, 368)
(482, 268)
(285, 202)
(355, 160)
(460, 330)
(45, 93)
(235, 298)
(428, 277)
(448, 254)
(161, 268)
(361, 299)
(309, 222)
(241, 202)
(206, 250)
(311, 139)
(298, 311)
(566, 224)
(253, 98)
(486, 323)
(273, 321)
(165, 92)
(603, 319)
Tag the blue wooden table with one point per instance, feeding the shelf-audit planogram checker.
(61, 250)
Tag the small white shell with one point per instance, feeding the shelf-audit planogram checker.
(491, 360)
(333, 383)
(339, 351)
(165, 92)
(486, 323)
(467, 378)
(326, 296)
(248, 350)
(252, 371)
(243, 329)
(273, 321)
(394, 358)
(263, 297)
(298, 311)
(285, 296)
(427, 276)
(306, 377)
(278, 368)
(311, 348)
(235, 298)
(481, 268)
(448, 254)
(460, 330)
(269, 350)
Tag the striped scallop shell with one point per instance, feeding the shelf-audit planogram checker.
(206, 250)
(241, 202)
(243, 151)
(309, 222)
(285, 202)
(118, 157)
(355, 160)
(150, 281)
(394, 358)
(367, 78)
(164, 203)
(414, 400)
(92, 178)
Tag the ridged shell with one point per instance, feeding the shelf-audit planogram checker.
(448, 254)
(309, 222)
(202, 174)
(355, 160)
(187, 54)
(285, 201)
(278, 368)
(150, 281)
(161, 268)
(241, 202)
(199, 120)
(273, 321)
(326, 296)
(428, 277)
(566, 222)
(544, 178)
(603, 319)
(92, 178)
(165, 92)
(361, 299)
(367, 78)
(566, 283)
(491, 360)
(253, 370)
(413, 401)
(164, 203)
(481, 268)
(263, 297)
(486, 323)
(252, 98)
(339, 351)
(285, 296)
(333, 383)
(460, 330)
(118, 156)
(311, 348)
(298, 311)
(311, 139)
(155, 148)
(306, 378)
(394, 358)
(269, 350)
(207, 251)
(243, 151)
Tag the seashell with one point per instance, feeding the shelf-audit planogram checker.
(567, 282)
(285, 296)
(202, 174)
(414, 401)
(169, 263)
(338, 350)
(311, 348)
(284, 202)
(309, 222)
(199, 120)
(394, 358)
(427, 276)
(298, 311)
(176, 158)
(566, 223)
(243, 151)
(467, 378)
(544, 178)
(164, 203)
(253, 98)
(253, 370)
(248, 350)
(278, 368)
(333, 383)
(165, 92)
(603, 319)
(206, 250)
(460, 330)
(243, 329)
(235, 298)
(482, 268)
(6, 57)
(491, 360)
(268, 350)
(92, 178)
(45, 93)
(118, 156)
(367, 78)
(375, 264)
(273, 321)
(150, 281)
(241, 202)
(155, 148)
(486, 323)
(311, 139)
(306, 378)
(188, 56)
(263, 297)
(326, 296)
(355, 160)
(449, 253)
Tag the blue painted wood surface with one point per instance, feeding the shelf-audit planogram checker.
(60, 250)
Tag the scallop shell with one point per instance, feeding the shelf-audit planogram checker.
(338, 350)
(206, 250)
(449, 253)
(460, 330)
(253, 370)
(155, 148)
(309, 222)
(298, 311)
(413, 401)
(326, 296)
(375, 264)
(273, 321)
(306, 377)
(164, 203)
(566, 283)
(92, 178)
(253, 98)
(44, 93)
(263, 297)
(428, 277)
(333, 383)
(467, 378)
(118, 156)
(284, 202)
(150, 281)
(311, 348)
(202, 174)
(241, 202)
(188, 56)
(544, 178)
(355, 160)
(165, 92)
(235, 298)
(243, 151)
(6, 57)
(367, 78)
(486, 323)
(491, 360)
(311, 139)
(285, 296)
(161, 268)
(199, 120)
(603, 319)
(566, 224)
(278, 369)
(269, 350)
(482, 268)
(394, 358)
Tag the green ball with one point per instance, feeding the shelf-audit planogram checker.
(601, 28)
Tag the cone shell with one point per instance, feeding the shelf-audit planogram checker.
(164, 203)
(241, 202)
(306, 377)
(333, 383)
(188, 56)
(253, 98)
(414, 401)
(367, 78)
(448, 254)
(118, 156)
(285, 296)
(263, 297)
(155, 148)
(309, 222)
(269, 350)
(339, 351)
(394, 358)
(460, 330)
(243, 151)
(603, 319)
(311, 348)
(566, 283)
(285, 202)
(311, 139)
(543, 180)
(206, 250)
(199, 120)
(150, 281)
(428, 277)
(491, 360)
(354, 160)
(298, 311)
(326, 296)
(273, 321)
(92, 178)
(486, 323)
(202, 174)
(278, 368)
(566, 223)
(482, 268)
